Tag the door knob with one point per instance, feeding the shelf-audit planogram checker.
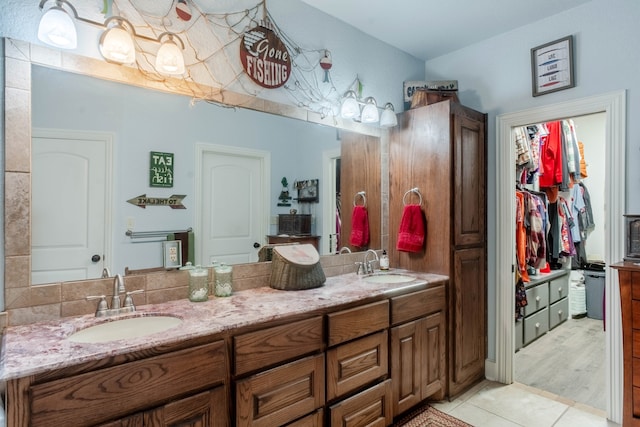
(256, 245)
(95, 258)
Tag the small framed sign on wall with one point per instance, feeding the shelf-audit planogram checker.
(161, 169)
(552, 66)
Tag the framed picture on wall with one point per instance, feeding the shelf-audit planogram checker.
(552, 66)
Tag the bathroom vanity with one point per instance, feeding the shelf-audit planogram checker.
(261, 357)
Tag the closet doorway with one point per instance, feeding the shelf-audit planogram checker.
(613, 106)
(560, 345)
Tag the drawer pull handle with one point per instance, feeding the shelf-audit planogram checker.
(537, 325)
(559, 312)
(560, 290)
(538, 298)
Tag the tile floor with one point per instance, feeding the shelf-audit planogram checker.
(491, 404)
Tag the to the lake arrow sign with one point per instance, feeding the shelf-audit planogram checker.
(174, 202)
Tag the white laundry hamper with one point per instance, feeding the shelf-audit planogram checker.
(577, 295)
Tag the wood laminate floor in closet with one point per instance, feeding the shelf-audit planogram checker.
(568, 361)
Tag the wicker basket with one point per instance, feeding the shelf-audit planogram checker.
(296, 267)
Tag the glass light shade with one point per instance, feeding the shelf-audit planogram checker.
(388, 118)
(170, 59)
(116, 45)
(370, 111)
(349, 108)
(57, 29)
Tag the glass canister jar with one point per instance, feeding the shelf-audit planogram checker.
(198, 286)
(223, 280)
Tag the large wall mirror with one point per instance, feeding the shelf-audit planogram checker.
(124, 124)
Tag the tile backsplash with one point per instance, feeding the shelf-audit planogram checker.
(55, 300)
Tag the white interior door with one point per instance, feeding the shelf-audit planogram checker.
(70, 189)
(234, 204)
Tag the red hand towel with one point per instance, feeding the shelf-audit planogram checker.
(411, 233)
(359, 227)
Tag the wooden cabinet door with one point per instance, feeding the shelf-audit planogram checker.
(433, 364)
(469, 181)
(467, 311)
(202, 410)
(406, 346)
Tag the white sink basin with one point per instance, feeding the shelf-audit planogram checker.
(388, 278)
(133, 327)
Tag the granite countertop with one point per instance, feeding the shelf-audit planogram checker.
(40, 347)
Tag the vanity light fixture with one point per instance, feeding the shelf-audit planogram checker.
(116, 42)
(56, 26)
(350, 109)
(169, 59)
(388, 118)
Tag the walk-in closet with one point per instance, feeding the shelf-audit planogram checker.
(560, 244)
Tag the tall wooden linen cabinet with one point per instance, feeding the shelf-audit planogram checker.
(441, 150)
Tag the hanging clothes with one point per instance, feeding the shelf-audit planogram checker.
(551, 156)
(521, 237)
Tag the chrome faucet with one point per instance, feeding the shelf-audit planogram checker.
(344, 249)
(118, 288)
(128, 306)
(368, 264)
(105, 273)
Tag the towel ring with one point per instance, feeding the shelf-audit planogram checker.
(364, 198)
(413, 190)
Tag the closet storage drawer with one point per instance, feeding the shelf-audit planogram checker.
(537, 298)
(519, 334)
(558, 312)
(536, 325)
(558, 288)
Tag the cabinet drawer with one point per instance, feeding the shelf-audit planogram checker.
(417, 304)
(558, 312)
(558, 288)
(537, 298)
(260, 349)
(371, 407)
(536, 325)
(519, 334)
(312, 420)
(357, 322)
(105, 394)
(355, 364)
(281, 395)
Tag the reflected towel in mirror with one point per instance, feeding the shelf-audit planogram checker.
(359, 227)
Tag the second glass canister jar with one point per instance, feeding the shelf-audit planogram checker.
(223, 280)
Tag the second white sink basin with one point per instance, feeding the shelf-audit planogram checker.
(388, 278)
(132, 327)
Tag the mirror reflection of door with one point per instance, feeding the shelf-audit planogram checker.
(234, 212)
(71, 186)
